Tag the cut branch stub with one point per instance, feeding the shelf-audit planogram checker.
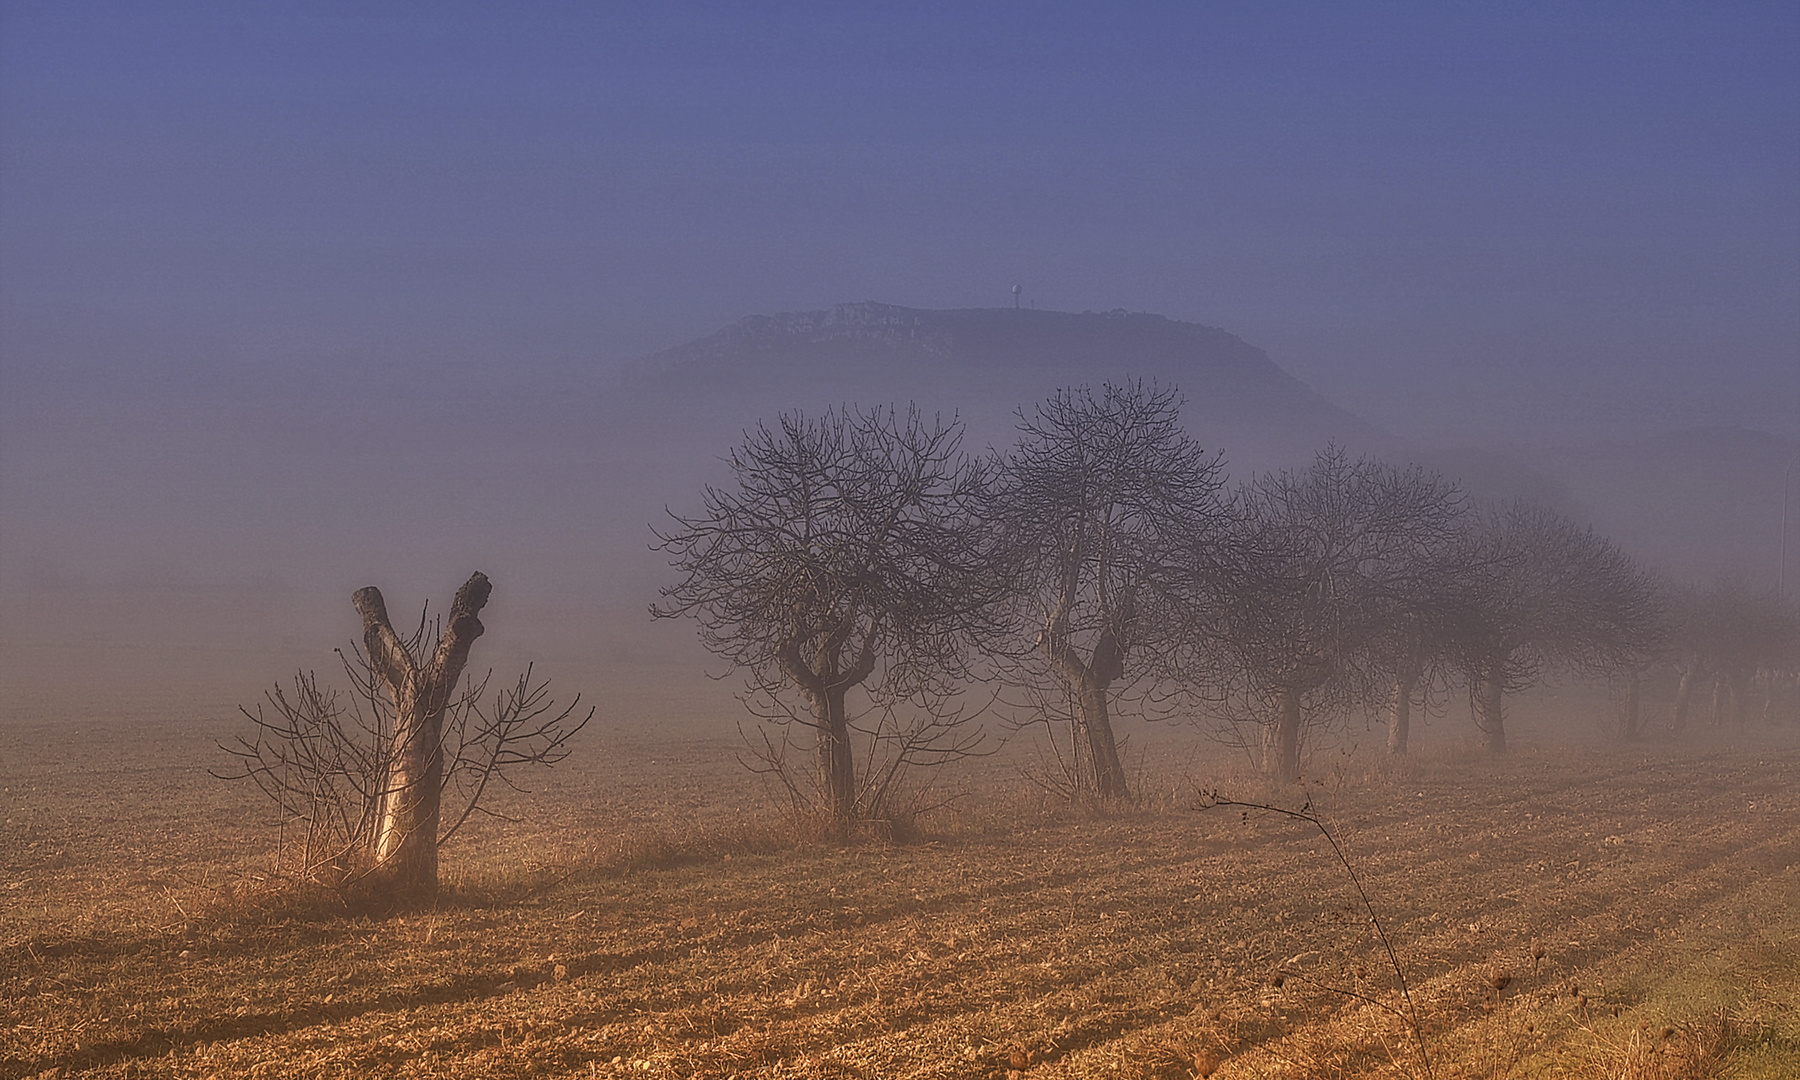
(386, 652)
(453, 649)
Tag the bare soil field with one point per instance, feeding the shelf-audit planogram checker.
(1584, 911)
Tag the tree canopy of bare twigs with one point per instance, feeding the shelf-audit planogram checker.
(1544, 593)
(1341, 598)
(1101, 505)
(362, 775)
(849, 553)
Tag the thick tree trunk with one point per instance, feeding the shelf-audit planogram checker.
(406, 834)
(1281, 738)
(1400, 712)
(1088, 683)
(1720, 698)
(1489, 691)
(824, 684)
(1103, 749)
(837, 768)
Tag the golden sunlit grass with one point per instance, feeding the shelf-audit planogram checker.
(1571, 915)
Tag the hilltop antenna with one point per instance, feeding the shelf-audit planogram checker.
(1017, 289)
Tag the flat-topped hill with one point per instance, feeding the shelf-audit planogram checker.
(984, 363)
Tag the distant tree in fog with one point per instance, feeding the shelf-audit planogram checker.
(364, 775)
(847, 555)
(1342, 599)
(1727, 639)
(1100, 506)
(1543, 593)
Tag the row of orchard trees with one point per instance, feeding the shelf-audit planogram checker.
(1731, 650)
(866, 552)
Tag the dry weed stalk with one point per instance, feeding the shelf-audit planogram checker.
(1306, 813)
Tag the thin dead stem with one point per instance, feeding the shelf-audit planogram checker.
(1306, 813)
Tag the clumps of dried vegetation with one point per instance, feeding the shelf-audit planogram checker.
(1691, 1050)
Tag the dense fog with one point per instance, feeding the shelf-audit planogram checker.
(176, 554)
(294, 304)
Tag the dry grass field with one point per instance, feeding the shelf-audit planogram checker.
(1584, 911)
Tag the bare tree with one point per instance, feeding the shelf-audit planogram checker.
(1544, 593)
(1731, 637)
(1102, 503)
(1421, 590)
(848, 555)
(364, 774)
(1340, 600)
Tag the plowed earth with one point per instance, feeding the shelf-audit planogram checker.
(1659, 885)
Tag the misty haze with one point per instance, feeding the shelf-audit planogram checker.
(680, 542)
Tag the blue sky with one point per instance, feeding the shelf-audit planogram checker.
(1458, 219)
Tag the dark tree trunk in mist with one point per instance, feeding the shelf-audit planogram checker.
(1488, 691)
(1400, 712)
(1629, 702)
(1281, 737)
(406, 838)
(1684, 696)
(837, 769)
(1096, 721)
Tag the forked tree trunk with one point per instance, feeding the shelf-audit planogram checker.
(1089, 682)
(406, 833)
(1281, 737)
(1489, 691)
(1103, 749)
(1400, 712)
(824, 684)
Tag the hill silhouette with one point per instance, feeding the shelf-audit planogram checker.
(225, 557)
(984, 363)
(1689, 502)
